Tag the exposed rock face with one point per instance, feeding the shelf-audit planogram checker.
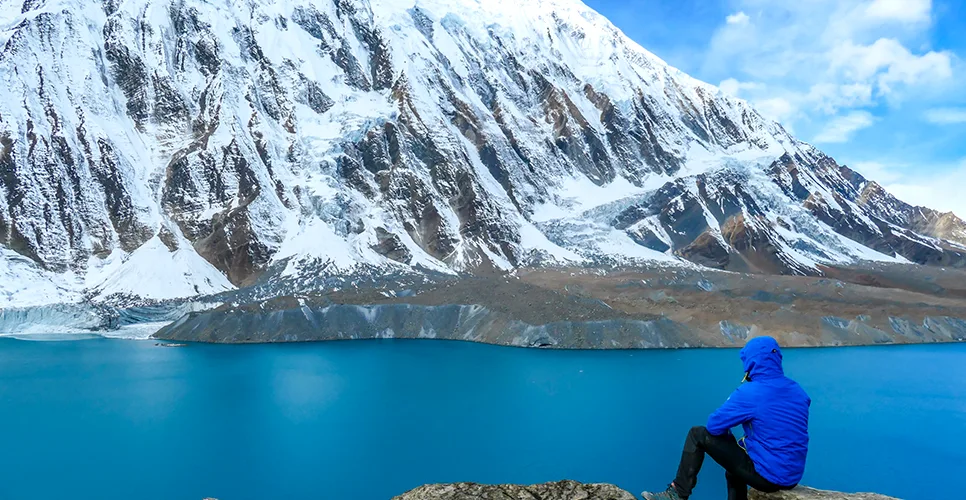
(749, 220)
(925, 221)
(802, 493)
(349, 132)
(570, 490)
(473, 323)
(618, 310)
(563, 490)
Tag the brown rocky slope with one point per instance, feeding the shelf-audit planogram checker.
(616, 309)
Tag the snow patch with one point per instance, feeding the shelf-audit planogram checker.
(154, 272)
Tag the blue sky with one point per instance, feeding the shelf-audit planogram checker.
(878, 84)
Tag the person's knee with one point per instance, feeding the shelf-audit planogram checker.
(699, 431)
(698, 435)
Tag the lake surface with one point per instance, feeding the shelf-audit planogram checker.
(114, 419)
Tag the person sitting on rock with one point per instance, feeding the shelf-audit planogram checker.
(773, 410)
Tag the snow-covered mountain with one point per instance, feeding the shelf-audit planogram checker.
(171, 148)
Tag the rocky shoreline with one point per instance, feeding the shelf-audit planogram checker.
(587, 309)
(572, 490)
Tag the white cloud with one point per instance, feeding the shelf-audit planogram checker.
(946, 116)
(876, 171)
(909, 11)
(841, 129)
(887, 62)
(943, 192)
(734, 88)
(777, 108)
(824, 67)
(738, 18)
(730, 86)
(831, 97)
(819, 58)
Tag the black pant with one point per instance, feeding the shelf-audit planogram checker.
(739, 469)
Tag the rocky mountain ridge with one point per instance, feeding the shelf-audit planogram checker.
(163, 149)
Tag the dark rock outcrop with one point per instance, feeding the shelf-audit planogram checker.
(802, 493)
(571, 490)
(563, 490)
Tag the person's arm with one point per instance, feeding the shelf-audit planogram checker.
(737, 410)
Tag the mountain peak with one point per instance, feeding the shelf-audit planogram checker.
(265, 140)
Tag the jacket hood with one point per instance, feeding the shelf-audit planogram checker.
(762, 358)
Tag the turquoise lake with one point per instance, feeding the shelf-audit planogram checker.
(114, 419)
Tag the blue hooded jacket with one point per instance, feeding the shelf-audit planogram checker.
(773, 410)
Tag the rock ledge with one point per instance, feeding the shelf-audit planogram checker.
(572, 490)
(563, 490)
(803, 493)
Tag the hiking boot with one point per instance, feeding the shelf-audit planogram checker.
(671, 493)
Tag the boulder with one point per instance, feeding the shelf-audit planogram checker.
(803, 493)
(572, 490)
(563, 490)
